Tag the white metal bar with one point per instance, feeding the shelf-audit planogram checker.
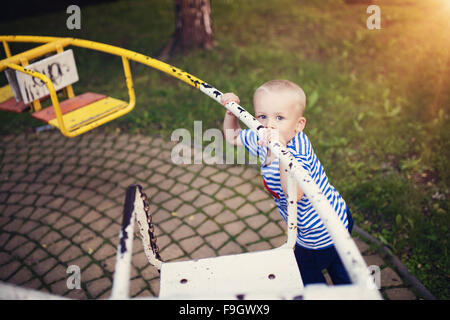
(143, 225)
(292, 212)
(121, 283)
(13, 292)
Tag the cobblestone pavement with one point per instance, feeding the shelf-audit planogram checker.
(61, 203)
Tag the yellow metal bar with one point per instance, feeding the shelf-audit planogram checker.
(131, 55)
(35, 104)
(68, 90)
(7, 50)
(129, 80)
(34, 53)
(51, 89)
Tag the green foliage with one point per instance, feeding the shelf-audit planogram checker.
(377, 100)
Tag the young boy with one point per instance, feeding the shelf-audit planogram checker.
(279, 106)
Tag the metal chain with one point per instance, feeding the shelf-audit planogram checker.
(151, 228)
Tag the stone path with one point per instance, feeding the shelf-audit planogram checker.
(61, 203)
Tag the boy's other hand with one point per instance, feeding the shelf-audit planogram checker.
(270, 135)
(229, 97)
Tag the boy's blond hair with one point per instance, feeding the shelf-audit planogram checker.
(297, 94)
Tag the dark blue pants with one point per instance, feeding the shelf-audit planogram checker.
(312, 262)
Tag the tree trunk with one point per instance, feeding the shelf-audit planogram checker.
(193, 27)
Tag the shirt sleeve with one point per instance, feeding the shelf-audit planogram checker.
(300, 148)
(249, 139)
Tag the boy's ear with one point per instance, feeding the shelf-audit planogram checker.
(301, 124)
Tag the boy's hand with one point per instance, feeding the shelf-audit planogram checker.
(227, 98)
(231, 122)
(271, 135)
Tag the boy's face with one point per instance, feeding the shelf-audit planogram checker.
(276, 110)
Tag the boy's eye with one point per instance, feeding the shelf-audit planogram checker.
(280, 118)
(262, 116)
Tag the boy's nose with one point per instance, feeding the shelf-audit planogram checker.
(270, 124)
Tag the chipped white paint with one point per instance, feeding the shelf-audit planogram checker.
(292, 213)
(121, 284)
(264, 272)
(141, 219)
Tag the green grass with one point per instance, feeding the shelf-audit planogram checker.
(378, 100)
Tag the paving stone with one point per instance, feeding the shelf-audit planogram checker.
(234, 228)
(234, 203)
(24, 250)
(217, 240)
(161, 197)
(362, 246)
(100, 225)
(170, 225)
(256, 221)
(247, 237)
(181, 232)
(207, 227)
(219, 177)
(97, 287)
(4, 258)
(374, 259)
(36, 256)
(278, 241)
(57, 273)
(59, 288)
(259, 246)
(204, 251)
(213, 209)
(230, 248)
(258, 195)
(38, 233)
(210, 188)
(207, 171)
(246, 210)
(250, 173)
(225, 216)
(172, 204)
(14, 242)
(202, 201)
(22, 276)
(136, 286)
(92, 272)
(172, 252)
(45, 266)
(76, 294)
(62, 222)
(190, 195)
(270, 230)
(90, 217)
(199, 182)
(244, 189)
(192, 243)
(70, 254)
(265, 205)
(58, 247)
(389, 278)
(233, 181)
(400, 294)
(194, 220)
(186, 178)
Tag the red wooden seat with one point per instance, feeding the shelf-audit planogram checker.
(68, 105)
(13, 106)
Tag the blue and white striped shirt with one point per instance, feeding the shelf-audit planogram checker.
(312, 233)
